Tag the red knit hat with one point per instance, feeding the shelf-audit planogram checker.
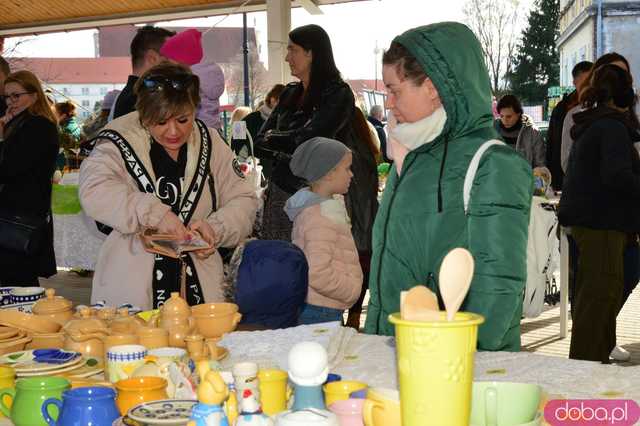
(184, 47)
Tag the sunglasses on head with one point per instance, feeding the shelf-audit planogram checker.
(176, 82)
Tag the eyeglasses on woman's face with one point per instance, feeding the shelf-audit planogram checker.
(177, 82)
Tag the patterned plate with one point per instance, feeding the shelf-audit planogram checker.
(23, 362)
(164, 412)
(90, 367)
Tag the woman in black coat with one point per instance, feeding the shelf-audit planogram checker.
(601, 203)
(321, 104)
(27, 162)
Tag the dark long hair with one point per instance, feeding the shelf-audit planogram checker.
(323, 67)
(609, 83)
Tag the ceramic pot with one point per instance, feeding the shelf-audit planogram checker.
(177, 335)
(175, 307)
(153, 338)
(28, 397)
(132, 392)
(54, 307)
(26, 294)
(46, 340)
(215, 319)
(95, 406)
(125, 323)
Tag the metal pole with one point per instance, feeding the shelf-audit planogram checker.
(245, 54)
(599, 28)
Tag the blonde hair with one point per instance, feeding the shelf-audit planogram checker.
(240, 113)
(31, 84)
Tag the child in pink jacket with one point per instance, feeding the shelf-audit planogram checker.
(321, 228)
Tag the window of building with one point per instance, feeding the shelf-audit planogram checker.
(103, 90)
(86, 103)
(85, 90)
(65, 90)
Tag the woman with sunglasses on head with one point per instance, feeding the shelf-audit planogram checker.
(28, 154)
(161, 168)
(320, 104)
(601, 203)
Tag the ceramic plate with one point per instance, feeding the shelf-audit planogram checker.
(164, 412)
(87, 368)
(23, 362)
(7, 332)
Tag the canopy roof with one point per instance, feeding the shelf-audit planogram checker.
(20, 17)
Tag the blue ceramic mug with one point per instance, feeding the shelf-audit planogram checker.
(91, 406)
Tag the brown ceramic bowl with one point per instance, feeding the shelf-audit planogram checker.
(28, 322)
(215, 319)
(46, 340)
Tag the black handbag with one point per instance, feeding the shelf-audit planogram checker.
(22, 234)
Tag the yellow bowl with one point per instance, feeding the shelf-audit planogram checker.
(137, 390)
(340, 390)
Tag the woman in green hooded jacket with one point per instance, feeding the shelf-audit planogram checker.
(440, 95)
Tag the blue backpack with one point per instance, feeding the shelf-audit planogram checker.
(272, 283)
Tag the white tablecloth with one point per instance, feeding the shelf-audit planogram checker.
(74, 244)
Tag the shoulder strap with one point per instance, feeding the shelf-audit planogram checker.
(473, 169)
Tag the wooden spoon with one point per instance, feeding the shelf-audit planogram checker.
(419, 304)
(456, 273)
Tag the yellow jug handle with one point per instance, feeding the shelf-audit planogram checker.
(367, 411)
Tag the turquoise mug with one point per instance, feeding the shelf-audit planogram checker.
(504, 403)
(95, 406)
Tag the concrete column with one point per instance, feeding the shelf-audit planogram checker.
(278, 27)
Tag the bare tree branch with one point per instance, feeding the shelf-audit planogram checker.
(495, 23)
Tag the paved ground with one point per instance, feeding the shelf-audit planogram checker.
(538, 335)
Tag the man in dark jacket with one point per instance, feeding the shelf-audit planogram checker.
(554, 134)
(375, 118)
(145, 53)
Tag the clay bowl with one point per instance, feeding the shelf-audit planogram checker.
(46, 341)
(215, 319)
(28, 322)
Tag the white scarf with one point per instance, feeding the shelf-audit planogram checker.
(414, 135)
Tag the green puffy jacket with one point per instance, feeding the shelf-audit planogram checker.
(422, 218)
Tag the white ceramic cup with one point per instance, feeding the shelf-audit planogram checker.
(123, 360)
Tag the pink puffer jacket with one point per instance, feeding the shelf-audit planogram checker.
(322, 230)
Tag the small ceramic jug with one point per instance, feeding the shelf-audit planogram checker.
(27, 399)
(94, 406)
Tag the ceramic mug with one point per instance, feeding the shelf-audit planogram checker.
(123, 360)
(273, 391)
(28, 397)
(504, 403)
(382, 407)
(95, 406)
(132, 392)
(340, 390)
(7, 380)
(349, 411)
(153, 338)
(169, 354)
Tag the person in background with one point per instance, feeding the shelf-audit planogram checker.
(145, 53)
(257, 118)
(174, 194)
(66, 112)
(580, 72)
(322, 230)
(30, 144)
(92, 126)
(519, 132)
(320, 104)
(439, 97)
(211, 88)
(600, 203)
(5, 70)
(240, 146)
(376, 116)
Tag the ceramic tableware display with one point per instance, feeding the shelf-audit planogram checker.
(36, 362)
(349, 411)
(134, 391)
(212, 393)
(175, 317)
(504, 403)
(85, 334)
(125, 323)
(456, 272)
(54, 307)
(308, 417)
(5, 295)
(165, 412)
(215, 319)
(382, 407)
(123, 360)
(28, 397)
(112, 340)
(8, 332)
(27, 322)
(7, 380)
(95, 406)
(170, 364)
(20, 295)
(153, 337)
(46, 340)
(435, 368)
(273, 391)
(15, 344)
(308, 370)
(340, 390)
(245, 375)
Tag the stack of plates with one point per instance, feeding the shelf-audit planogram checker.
(25, 365)
(12, 339)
